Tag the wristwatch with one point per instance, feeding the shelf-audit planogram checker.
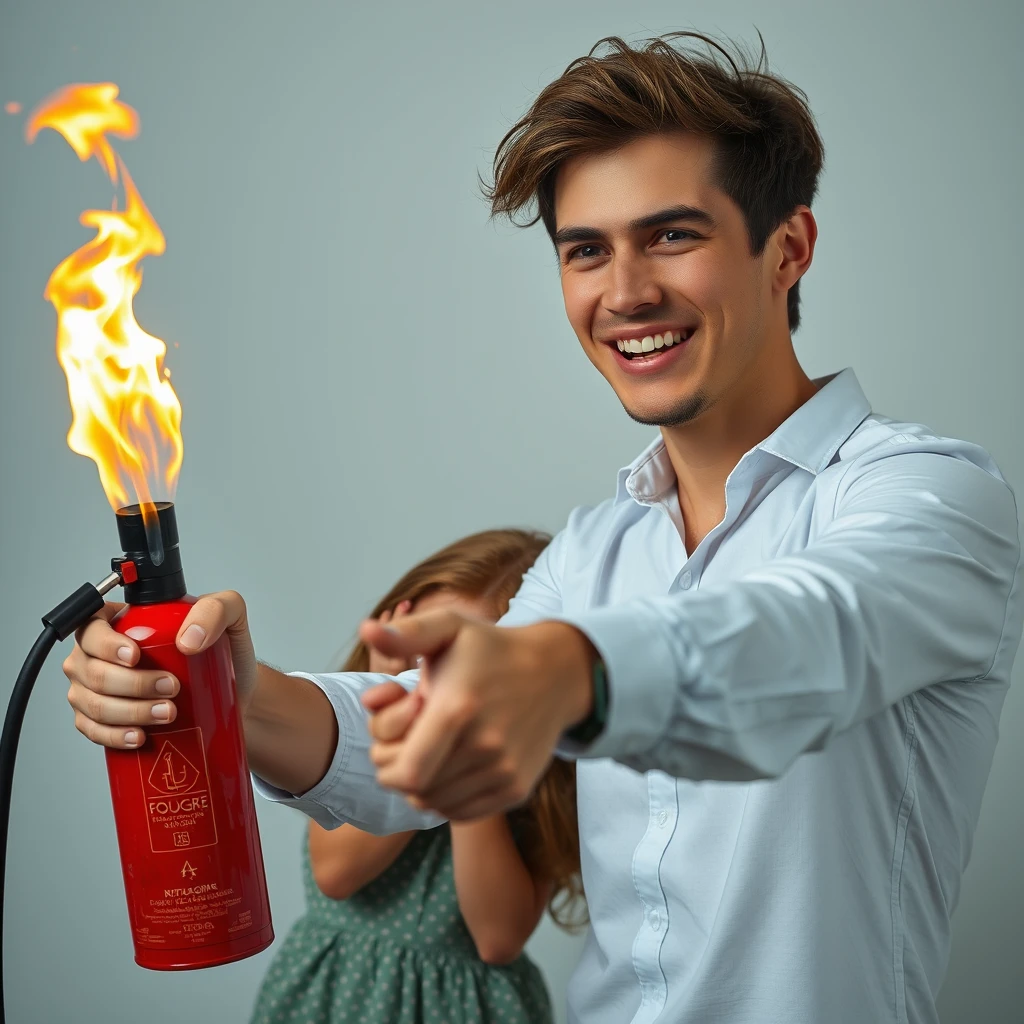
(592, 726)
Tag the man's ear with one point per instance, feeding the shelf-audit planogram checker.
(793, 243)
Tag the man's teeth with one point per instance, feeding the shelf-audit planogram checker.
(650, 342)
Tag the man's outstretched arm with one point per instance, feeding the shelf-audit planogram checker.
(914, 582)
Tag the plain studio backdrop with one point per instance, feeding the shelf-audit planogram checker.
(369, 368)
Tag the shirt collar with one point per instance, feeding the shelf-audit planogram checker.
(814, 433)
(808, 439)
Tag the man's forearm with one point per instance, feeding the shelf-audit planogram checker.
(291, 731)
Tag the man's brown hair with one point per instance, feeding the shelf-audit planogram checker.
(769, 152)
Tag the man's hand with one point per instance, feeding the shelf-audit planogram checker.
(385, 664)
(113, 700)
(494, 701)
(291, 732)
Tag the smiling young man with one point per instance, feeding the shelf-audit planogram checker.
(779, 651)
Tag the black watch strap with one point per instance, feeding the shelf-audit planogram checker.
(593, 725)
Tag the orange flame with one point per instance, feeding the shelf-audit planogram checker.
(125, 414)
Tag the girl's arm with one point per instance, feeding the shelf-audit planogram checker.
(345, 859)
(500, 900)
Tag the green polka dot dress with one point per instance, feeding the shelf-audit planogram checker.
(396, 952)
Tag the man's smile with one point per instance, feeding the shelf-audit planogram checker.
(649, 349)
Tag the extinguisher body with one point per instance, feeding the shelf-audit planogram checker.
(185, 813)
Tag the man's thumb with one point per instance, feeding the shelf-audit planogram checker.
(425, 635)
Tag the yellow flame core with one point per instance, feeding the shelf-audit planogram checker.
(125, 414)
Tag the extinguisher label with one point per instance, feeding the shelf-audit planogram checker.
(176, 788)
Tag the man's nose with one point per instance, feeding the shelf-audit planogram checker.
(631, 286)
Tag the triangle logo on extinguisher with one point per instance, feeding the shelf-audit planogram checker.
(173, 772)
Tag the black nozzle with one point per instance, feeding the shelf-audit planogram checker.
(153, 548)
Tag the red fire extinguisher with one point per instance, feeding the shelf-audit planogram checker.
(183, 802)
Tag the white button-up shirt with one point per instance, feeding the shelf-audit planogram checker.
(803, 715)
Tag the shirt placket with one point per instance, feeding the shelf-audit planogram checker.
(662, 794)
(662, 817)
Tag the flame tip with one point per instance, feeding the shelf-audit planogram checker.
(125, 415)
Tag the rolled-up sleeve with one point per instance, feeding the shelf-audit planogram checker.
(349, 792)
(914, 580)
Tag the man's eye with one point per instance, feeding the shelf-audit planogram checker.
(585, 252)
(677, 235)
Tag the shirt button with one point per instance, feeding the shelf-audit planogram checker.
(684, 580)
(655, 920)
(662, 818)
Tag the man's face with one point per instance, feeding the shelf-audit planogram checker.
(654, 256)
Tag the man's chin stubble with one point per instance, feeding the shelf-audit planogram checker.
(685, 412)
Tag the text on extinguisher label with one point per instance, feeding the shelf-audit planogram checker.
(176, 790)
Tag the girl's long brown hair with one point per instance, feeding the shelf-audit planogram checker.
(490, 566)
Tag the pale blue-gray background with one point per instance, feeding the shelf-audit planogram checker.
(369, 369)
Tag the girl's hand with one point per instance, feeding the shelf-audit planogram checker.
(405, 705)
(385, 664)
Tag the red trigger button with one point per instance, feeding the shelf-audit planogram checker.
(129, 574)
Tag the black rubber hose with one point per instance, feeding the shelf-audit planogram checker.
(9, 752)
(58, 624)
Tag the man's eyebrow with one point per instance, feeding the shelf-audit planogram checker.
(565, 235)
(670, 215)
(673, 213)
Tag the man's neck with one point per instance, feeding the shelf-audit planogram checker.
(704, 452)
